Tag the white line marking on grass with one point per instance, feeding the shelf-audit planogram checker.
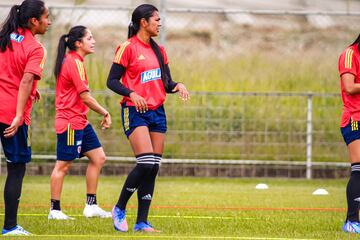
(166, 237)
(156, 216)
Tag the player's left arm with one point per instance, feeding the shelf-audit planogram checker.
(174, 87)
(91, 102)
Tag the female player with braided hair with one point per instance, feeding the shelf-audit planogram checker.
(143, 68)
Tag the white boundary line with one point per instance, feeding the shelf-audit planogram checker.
(155, 216)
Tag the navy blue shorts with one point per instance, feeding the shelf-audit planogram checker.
(17, 148)
(155, 120)
(351, 132)
(72, 144)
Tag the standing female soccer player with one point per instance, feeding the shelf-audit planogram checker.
(143, 67)
(75, 135)
(349, 69)
(22, 60)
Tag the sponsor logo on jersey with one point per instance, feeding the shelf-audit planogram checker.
(16, 37)
(79, 142)
(151, 75)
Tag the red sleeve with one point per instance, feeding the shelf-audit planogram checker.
(78, 75)
(36, 61)
(123, 54)
(163, 52)
(347, 62)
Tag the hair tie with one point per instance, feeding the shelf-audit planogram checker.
(131, 24)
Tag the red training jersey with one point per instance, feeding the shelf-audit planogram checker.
(27, 56)
(349, 62)
(71, 82)
(143, 74)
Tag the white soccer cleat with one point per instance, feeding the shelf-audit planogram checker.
(95, 211)
(15, 231)
(59, 215)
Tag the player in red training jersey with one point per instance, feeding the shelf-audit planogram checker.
(349, 70)
(145, 77)
(22, 59)
(75, 135)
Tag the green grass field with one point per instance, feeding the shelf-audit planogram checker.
(196, 208)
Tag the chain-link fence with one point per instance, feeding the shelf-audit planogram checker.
(223, 51)
(248, 126)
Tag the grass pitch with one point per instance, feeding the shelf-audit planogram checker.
(195, 208)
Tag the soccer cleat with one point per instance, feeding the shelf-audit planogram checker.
(144, 227)
(59, 215)
(95, 211)
(15, 231)
(119, 217)
(351, 227)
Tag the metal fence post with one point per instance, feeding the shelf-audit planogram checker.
(309, 136)
(163, 22)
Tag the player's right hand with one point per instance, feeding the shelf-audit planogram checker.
(12, 129)
(106, 122)
(139, 102)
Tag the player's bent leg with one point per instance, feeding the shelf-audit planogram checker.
(56, 183)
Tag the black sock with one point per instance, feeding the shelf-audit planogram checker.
(12, 192)
(55, 204)
(145, 163)
(91, 199)
(145, 193)
(353, 193)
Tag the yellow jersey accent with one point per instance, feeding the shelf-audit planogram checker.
(81, 69)
(120, 52)
(29, 136)
(126, 119)
(348, 58)
(70, 136)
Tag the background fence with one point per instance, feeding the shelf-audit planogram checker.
(246, 70)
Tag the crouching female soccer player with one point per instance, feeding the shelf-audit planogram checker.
(143, 67)
(75, 135)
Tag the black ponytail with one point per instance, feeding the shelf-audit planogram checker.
(357, 41)
(67, 41)
(155, 47)
(19, 17)
(146, 11)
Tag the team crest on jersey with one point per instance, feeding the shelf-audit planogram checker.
(16, 37)
(151, 75)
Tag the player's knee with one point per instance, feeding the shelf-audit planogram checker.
(100, 160)
(63, 169)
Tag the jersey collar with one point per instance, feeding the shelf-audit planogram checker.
(147, 45)
(76, 55)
